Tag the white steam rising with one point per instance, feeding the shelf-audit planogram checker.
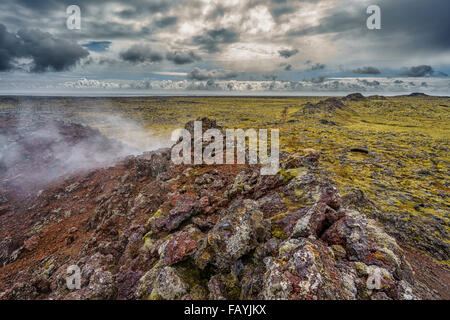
(37, 147)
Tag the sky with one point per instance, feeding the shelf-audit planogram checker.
(232, 46)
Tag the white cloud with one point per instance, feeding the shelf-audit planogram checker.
(372, 85)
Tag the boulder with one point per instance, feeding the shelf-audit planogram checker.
(239, 230)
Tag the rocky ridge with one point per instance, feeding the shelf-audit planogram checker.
(147, 229)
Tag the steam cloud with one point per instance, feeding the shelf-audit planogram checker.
(36, 149)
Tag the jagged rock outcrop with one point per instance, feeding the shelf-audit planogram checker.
(148, 229)
(327, 105)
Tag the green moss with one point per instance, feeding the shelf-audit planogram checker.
(403, 135)
(147, 235)
(287, 174)
(279, 234)
(196, 279)
(198, 292)
(158, 214)
(234, 292)
(276, 231)
(48, 264)
(154, 296)
(278, 217)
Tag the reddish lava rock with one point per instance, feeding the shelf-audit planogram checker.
(216, 232)
(179, 248)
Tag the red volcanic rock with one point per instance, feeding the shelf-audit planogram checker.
(186, 206)
(31, 243)
(179, 248)
(148, 229)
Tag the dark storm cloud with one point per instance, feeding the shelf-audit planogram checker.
(286, 53)
(367, 70)
(412, 30)
(406, 25)
(278, 11)
(291, 1)
(201, 74)
(108, 61)
(338, 21)
(42, 5)
(136, 6)
(219, 11)
(318, 79)
(272, 77)
(141, 53)
(286, 66)
(97, 22)
(50, 53)
(426, 22)
(127, 13)
(97, 46)
(181, 57)
(279, 8)
(145, 7)
(11, 48)
(47, 52)
(212, 40)
(419, 71)
(315, 66)
(166, 22)
(110, 30)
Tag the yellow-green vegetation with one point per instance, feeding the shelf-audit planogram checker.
(405, 170)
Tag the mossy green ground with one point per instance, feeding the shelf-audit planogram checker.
(406, 172)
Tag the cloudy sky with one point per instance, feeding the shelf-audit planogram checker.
(228, 46)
